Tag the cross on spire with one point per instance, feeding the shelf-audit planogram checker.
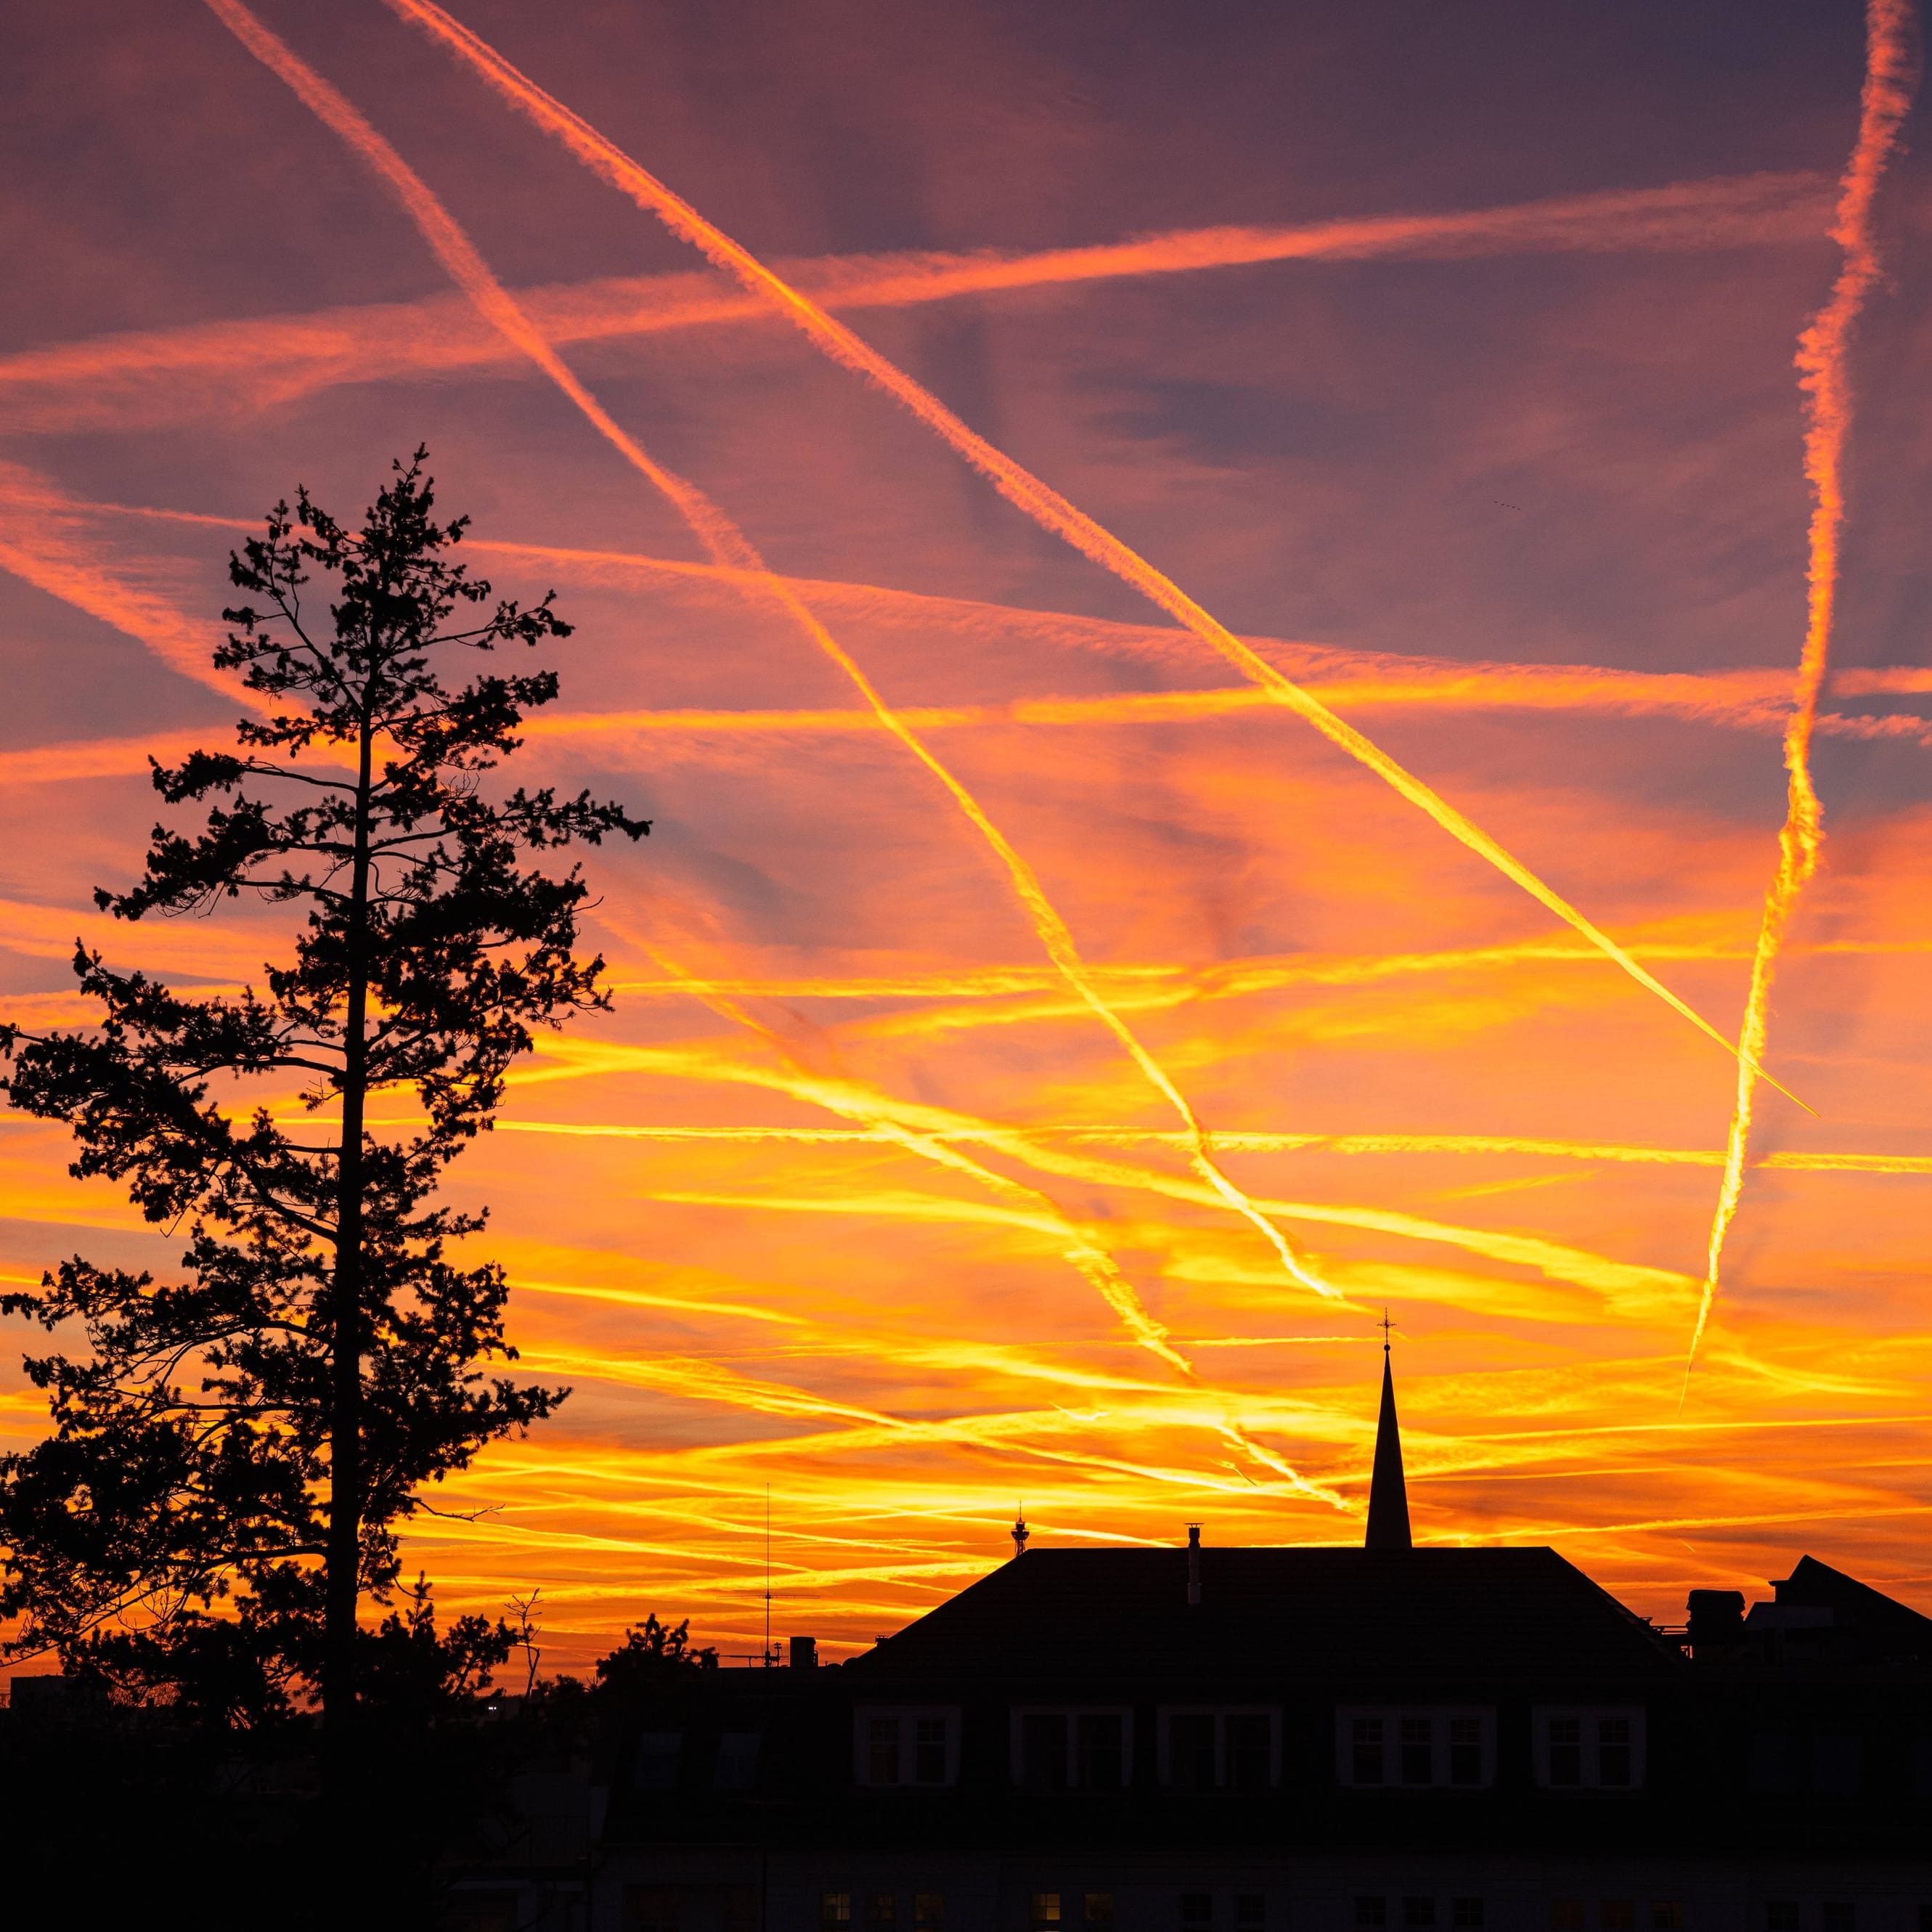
(1388, 1493)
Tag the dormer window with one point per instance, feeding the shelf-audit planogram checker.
(898, 1747)
(1586, 1750)
(1417, 1747)
(1233, 1748)
(1060, 1749)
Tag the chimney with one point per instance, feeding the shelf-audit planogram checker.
(1194, 1563)
(1715, 1618)
(805, 1653)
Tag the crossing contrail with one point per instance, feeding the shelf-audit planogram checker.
(728, 546)
(1045, 506)
(1892, 79)
(149, 378)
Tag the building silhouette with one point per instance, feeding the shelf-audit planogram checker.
(1384, 1738)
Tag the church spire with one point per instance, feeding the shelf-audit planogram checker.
(1388, 1494)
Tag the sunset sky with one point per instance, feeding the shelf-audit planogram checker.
(1444, 356)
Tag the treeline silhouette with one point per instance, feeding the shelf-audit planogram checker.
(208, 1538)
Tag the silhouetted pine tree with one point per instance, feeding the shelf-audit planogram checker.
(233, 1457)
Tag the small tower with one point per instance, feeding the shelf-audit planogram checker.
(1388, 1494)
(1019, 1533)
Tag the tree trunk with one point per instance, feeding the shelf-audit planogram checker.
(343, 1563)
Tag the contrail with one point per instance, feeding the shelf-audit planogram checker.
(149, 378)
(1045, 506)
(1092, 1262)
(1892, 79)
(1095, 1266)
(728, 545)
(1256, 1141)
(1748, 698)
(44, 547)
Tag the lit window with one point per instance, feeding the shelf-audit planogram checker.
(928, 1911)
(835, 1908)
(1046, 1909)
(882, 1912)
(651, 1911)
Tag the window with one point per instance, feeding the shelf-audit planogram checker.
(1249, 1753)
(1776, 1761)
(1099, 1752)
(835, 1908)
(1415, 1750)
(1371, 1914)
(647, 1909)
(882, 1912)
(1465, 1914)
(658, 1753)
(1618, 1915)
(1418, 1914)
(1834, 1767)
(738, 1909)
(737, 1768)
(928, 1911)
(1197, 1911)
(1566, 1915)
(1250, 1911)
(1208, 1750)
(908, 1749)
(1096, 1909)
(1839, 1914)
(1780, 1915)
(1046, 1910)
(1589, 1751)
(1072, 1751)
(1666, 1914)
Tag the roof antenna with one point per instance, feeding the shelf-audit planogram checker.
(1020, 1531)
(768, 1576)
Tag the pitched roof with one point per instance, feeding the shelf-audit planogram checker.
(1364, 1616)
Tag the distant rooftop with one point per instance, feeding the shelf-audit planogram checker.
(1335, 1613)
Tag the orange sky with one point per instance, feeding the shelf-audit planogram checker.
(1458, 389)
